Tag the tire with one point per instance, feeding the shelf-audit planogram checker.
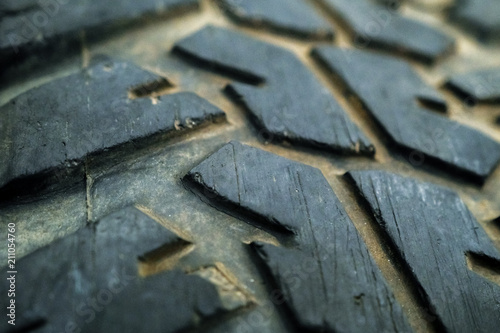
(250, 166)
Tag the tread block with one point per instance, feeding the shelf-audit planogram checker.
(293, 17)
(432, 230)
(477, 86)
(375, 25)
(329, 268)
(32, 25)
(93, 275)
(291, 104)
(479, 17)
(56, 125)
(389, 89)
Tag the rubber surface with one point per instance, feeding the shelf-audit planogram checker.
(250, 166)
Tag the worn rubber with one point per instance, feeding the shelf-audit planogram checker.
(250, 166)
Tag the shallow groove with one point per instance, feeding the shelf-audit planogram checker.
(310, 156)
(416, 158)
(283, 235)
(414, 293)
(487, 267)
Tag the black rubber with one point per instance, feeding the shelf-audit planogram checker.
(249, 166)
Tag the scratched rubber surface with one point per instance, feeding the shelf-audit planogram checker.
(250, 166)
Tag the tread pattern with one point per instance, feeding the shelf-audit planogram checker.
(481, 86)
(479, 17)
(419, 131)
(41, 26)
(67, 131)
(94, 291)
(379, 26)
(412, 215)
(303, 234)
(288, 88)
(293, 17)
(340, 272)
